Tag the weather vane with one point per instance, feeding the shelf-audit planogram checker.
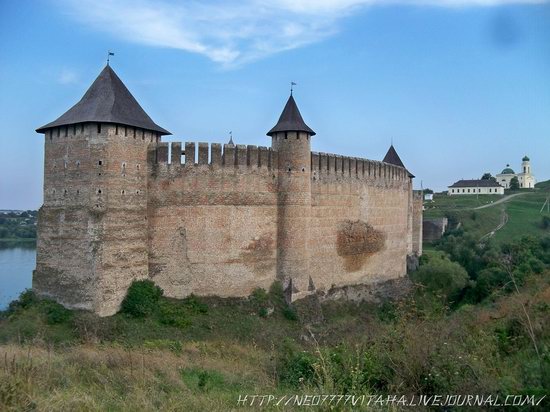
(292, 84)
(230, 138)
(109, 54)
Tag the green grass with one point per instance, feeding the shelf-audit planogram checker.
(525, 217)
(543, 185)
(523, 212)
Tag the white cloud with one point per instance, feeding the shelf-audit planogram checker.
(67, 76)
(233, 32)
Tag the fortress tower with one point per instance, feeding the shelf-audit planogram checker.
(92, 233)
(291, 138)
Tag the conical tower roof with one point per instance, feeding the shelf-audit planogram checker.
(393, 158)
(108, 101)
(291, 120)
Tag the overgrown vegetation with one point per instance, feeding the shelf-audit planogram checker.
(476, 322)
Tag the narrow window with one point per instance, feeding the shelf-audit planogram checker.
(100, 163)
(66, 131)
(65, 191)
(98, 191)
(77, 164)
(74, 130)
(123, 192)
(81, 127)
(125, 131)
(51, 134)
(77, 191)
(58, 131)
(116, 129)
(134, 132)
(99, 127)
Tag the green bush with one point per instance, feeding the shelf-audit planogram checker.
(440, 276)
(56, 313)
(142, 299)
(194, 304)
(294, 367)
(27, 299)
(172, 314)
(290, 313)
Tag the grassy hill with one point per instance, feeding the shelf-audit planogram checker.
(543, 185)
(523, 211)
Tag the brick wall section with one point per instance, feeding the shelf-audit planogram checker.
(351, 189)
(418, 206)
(213, 225)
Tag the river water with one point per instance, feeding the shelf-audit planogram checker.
(16, 266)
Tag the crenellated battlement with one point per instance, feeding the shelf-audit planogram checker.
(214, 154)
(337, 165)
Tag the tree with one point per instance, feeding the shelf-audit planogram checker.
(488, 176)
(428, 191)
(514, 183)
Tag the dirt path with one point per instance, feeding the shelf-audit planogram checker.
(504, 199)
(504, 218)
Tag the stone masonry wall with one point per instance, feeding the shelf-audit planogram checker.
(212, 220)
(119, 205)
(359, 223)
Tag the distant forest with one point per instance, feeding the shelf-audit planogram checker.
(18, 226)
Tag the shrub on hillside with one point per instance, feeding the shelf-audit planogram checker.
(27, 298)
(545, 223)
(142, 298)
(442, 277)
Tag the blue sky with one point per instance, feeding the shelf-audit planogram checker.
(461, 86)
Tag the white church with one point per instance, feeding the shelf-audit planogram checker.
(496, 186)
(525, 177)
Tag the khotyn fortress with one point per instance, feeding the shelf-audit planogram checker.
(121, 205)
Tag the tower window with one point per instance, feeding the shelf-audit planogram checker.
(58, 131)
(66, 131)
(74, 130)
(77, 164)
(116, 129)
(77, 191)
(98, 191)
(100, 163)
(99, 127)
(81, 127)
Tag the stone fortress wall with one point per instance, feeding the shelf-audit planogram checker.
(213, 220)
(210, 219)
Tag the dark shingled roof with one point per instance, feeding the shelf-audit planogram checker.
(109, 101)
(476, 183)
(393, 158)
(291, 120)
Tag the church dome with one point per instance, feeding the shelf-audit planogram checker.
(508, 171)
(525, 159)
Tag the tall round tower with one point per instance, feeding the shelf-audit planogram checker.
(291, 138)
(92, 228)
(526, 165)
